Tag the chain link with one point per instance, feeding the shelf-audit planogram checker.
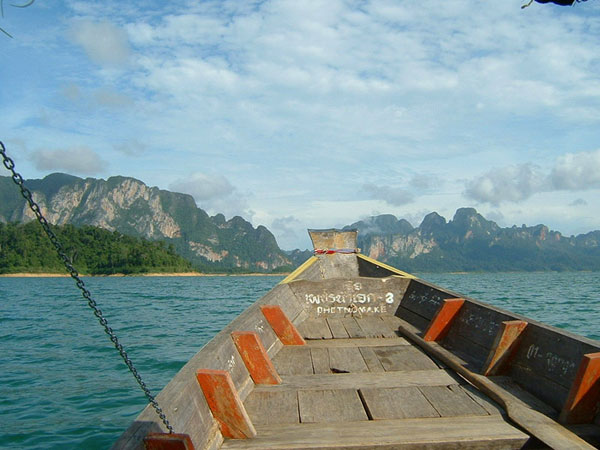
(18, 179)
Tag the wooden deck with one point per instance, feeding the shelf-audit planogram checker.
(390, 361)
(356, 384)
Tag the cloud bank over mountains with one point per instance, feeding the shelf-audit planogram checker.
(317, 111)
(570, 172)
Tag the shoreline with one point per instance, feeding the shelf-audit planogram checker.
(149, 274)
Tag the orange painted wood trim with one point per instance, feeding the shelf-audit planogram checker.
(225, 404)
(168, 441)
(441, 323)
(505, 345)
(255, 357)
(583, 400)
(282, 326)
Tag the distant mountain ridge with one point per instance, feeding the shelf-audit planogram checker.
(130, 207)
(469, 242)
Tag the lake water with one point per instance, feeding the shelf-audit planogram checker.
(63, 385)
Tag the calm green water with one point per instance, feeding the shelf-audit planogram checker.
(63, 385)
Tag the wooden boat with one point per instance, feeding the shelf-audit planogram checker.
(347, 352)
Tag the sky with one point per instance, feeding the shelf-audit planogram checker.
(315, 114)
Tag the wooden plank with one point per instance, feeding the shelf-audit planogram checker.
(375, 327)
(346, 359)
(320, 360)
(274, 407)
(489, 405)
(409, 316)
(315, 329)
(489, 432)
(538, 425)
(403, 357)
(366, 342)
(352, 327)
(330, 405)
(423, 299)
(436, 377)
(452, 401)
(397, 403)
(371, 359)
(337, 328)
(526, 398)
(293, 360)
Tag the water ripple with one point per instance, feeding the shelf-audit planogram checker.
(64, 385)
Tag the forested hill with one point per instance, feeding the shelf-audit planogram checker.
(131, 207)
(94, 251)
(470, 242)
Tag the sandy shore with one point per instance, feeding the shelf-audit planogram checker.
(167, 274)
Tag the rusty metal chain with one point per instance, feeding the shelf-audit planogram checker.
(18, 180)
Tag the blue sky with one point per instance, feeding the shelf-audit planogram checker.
(315, 114)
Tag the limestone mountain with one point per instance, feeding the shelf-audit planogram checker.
(469, 242)
(131, 207)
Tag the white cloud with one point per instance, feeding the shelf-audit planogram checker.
(204, 187)
(577, 171)
(391, 195)
(578, 202)
(214, 194)
(571, 172)
(288, 231)
(78, 160)
(131, 147)
(111, 98)
(296, 103)
(513, 184)
(104, 43)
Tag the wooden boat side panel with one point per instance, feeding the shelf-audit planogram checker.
(546, 359)
(182, 399)
(338, 266)
(358, 297)
(368, 269)
(546, 362)
(312, 272)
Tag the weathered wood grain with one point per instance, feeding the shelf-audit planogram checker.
(273, 407)
(409, 316)
(293, 360)
(452, 401)
(354, 330)
(371, 359)
(338, 266)
(403, 357)
(397, 403)
(358, 342)
(346, 359)
(542, 427)
(315, 329)
(375, 327)
(337, 328)
(489, 432)
(486, 403)
(338, 297)
(528, 399)
(320, 360)
(436, 377)
(329, 405)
